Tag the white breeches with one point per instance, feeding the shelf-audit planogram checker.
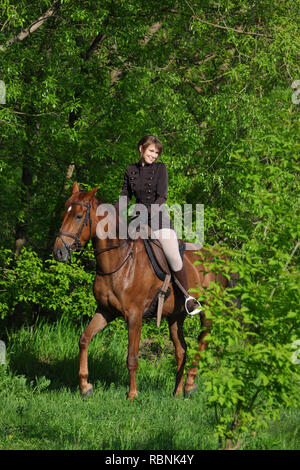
(169, 243)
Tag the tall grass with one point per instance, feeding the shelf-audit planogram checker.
(41, 407)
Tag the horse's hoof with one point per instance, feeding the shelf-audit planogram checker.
(190, 392)
(132, 396)
(88, 393)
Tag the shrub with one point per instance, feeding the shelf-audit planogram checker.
(248, 369)
(44, 287)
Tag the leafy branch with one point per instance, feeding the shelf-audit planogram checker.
(33, 27)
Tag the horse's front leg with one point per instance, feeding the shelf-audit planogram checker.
(97, 323)
(134, 335)
(176, 333)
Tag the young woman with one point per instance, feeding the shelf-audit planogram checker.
(147, 180)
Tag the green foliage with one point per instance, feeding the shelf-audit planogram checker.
(48, 288)
(247, 369)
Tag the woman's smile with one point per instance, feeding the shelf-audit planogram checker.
(150, 154)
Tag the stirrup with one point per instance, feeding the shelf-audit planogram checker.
(196, 310)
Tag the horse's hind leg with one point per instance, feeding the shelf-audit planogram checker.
(97, 323)
(176, 333)
(190, 385)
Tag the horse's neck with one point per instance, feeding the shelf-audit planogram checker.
(108, 250)
(108, 244)
(117, 226)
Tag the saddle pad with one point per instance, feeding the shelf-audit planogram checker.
(157, 269)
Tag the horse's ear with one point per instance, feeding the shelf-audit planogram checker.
(75, 188)
(93, 192)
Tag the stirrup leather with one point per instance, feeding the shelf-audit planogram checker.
(196, 310)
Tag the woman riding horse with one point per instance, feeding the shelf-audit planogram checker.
(147, 180)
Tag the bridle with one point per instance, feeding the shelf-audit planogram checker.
(76, 245)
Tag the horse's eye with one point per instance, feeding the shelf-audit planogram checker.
(78, 216)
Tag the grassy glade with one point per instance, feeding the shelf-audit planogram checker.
(41, 407)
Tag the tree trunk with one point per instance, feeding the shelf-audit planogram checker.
(20, 235)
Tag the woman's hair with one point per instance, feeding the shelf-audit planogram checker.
(148, 140)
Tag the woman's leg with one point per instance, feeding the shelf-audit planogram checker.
(169, 242)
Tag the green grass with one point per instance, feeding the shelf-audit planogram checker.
(41, 407)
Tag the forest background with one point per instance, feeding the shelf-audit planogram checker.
(218, 83)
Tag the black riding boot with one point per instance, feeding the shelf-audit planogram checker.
(192, 305)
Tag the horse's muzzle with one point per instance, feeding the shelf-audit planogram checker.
(61, 253)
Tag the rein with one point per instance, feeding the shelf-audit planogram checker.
(76, 245)
(101, 273)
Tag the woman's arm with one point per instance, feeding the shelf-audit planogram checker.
(162, 185)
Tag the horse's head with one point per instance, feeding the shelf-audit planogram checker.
(77, 223)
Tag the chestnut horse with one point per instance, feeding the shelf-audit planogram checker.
(125, 284)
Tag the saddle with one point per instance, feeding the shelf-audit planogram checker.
(163, 271)
(157, 257)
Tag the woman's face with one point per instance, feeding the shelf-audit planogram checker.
(150, 154)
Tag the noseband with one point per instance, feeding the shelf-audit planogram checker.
(76, 245)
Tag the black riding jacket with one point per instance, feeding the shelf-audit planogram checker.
(148, 183)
